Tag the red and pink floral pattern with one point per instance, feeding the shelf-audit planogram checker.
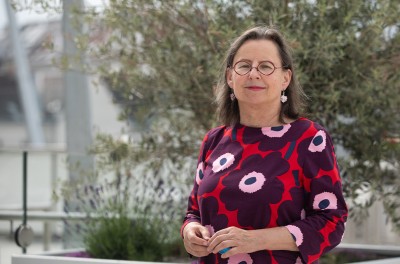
(255, 178)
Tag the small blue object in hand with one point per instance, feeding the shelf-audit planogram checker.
(222, 251)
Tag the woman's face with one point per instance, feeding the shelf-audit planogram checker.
(254, 88)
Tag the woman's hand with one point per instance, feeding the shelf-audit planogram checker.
(195, 239)
(247, 241)
(238, 240)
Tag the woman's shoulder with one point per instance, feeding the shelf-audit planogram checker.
(216, 132)
(212, 137)
(312, 125)
(217, 129)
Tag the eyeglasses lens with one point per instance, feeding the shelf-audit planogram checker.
(243, 68)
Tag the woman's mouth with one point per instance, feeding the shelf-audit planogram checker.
(255, 88)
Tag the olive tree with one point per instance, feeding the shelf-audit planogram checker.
(161, 60)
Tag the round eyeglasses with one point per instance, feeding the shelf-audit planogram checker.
(264, 67)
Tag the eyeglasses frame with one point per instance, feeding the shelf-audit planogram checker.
(282, 67)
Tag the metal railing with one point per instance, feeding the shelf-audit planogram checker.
(15, 211)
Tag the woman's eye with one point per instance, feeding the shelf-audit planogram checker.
(244, 66)
(265, 66)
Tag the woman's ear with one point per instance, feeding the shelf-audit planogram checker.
(287, 77)
(229, 77)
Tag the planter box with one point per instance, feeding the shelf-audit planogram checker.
(58, 257)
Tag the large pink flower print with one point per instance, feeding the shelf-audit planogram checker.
(315, 154)
(224, 158)
(255, 183)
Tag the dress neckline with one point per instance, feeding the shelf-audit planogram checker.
(268, 127)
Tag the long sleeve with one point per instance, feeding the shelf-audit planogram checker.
(322, 226)
(193, 211)
(210, 139)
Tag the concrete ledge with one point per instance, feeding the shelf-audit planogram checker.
(389, 250)
(36, 259)
(382, 261)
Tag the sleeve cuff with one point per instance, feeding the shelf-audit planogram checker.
(296, 233)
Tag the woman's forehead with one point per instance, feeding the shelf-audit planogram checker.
(258, 50)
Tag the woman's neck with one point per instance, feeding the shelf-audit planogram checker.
(257, 118)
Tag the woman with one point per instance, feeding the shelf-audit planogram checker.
(267, 187)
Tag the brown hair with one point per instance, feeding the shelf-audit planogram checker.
(228, 110)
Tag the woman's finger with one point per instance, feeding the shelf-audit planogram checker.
(195, 247)
(232, 251)
(216, 240)
(196, 250)
(205, 233)
(224, 246)
(195, 239)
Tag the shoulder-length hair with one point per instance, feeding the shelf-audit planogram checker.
(227, 109)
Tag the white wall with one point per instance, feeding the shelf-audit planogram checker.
(375, 229)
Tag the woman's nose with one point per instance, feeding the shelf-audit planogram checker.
(254, 73)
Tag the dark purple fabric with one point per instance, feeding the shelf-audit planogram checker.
(255, 178)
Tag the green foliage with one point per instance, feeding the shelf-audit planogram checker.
(123, 222)
(346, 53)
(124, 239)
(161, 59)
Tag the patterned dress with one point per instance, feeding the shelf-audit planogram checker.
(255, 178)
